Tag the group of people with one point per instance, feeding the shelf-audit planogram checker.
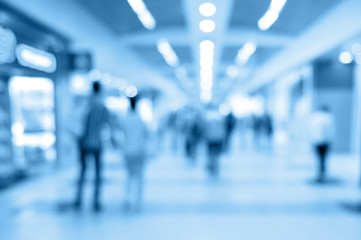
(88, 129)
(212, 127)
(209, 127)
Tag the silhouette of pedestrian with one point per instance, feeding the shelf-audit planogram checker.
(90, 143)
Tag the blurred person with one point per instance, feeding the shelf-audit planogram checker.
(257, 130)
(267, 125)
(230, 123)
(90, 143)
(193, 132)
(214, 136)
(134, 148)
(322, 133)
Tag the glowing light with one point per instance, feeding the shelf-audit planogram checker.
(206, 45)
(207, 9)
(345, 57)
(79, 84)
(146, 110)
(232, 71)
(117, 103)
(206, 96)
(168, 53)
(35, 58)
(358, 59)
(143, 14)
(356, 49)
(29, 84)
(207, 26)
(245, 53)
(271, 15)
(131, 91)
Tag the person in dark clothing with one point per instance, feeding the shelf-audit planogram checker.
(230, 122)
(90, 144)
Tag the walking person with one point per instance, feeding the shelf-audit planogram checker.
(214, 134)
(134, 148)
(322, 132)
(90, 144)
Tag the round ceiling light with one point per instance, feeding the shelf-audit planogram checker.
(207, 9)
(207, 26)
(345, 57)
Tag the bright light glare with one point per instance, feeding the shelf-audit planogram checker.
(35, 58)
(267, 20)
(345, 57)
(356, 49)
(358, 59)
(206, 85)
(232, 71)
(168, 53)
(206, 63)
(271, 15)
(117, 103)
(143, 14)
(277, 5)
(206, 45)
(207, 9)
(131, 91)
(245, 53)
(146, 110)
(31, 84)
(207, 25)
(206, 96)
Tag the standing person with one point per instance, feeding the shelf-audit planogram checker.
(136, 135)
(214, 133)
(90, 143)
(230, 124)
(322, 132)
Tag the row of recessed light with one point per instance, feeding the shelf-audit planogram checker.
(264, 23)
(206, 52)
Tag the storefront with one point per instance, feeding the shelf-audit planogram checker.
(32, 65)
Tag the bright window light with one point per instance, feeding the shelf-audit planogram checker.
(271, 15)
(18, 84)
(207, 25)
(131, 91)
(345, 57)
(143, 14)
(207, 9)
(168, 53)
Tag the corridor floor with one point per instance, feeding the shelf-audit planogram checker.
(258, 195)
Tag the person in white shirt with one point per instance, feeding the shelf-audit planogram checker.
(322, 134)
(134, 148)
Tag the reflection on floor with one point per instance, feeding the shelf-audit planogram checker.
(259, 195)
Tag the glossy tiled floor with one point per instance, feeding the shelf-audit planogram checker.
(259, 195)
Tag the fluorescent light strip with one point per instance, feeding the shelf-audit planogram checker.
(245, 53)
(271, 15)
(143, 14)
(167, 51)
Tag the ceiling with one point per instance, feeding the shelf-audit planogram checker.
(177, 21)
